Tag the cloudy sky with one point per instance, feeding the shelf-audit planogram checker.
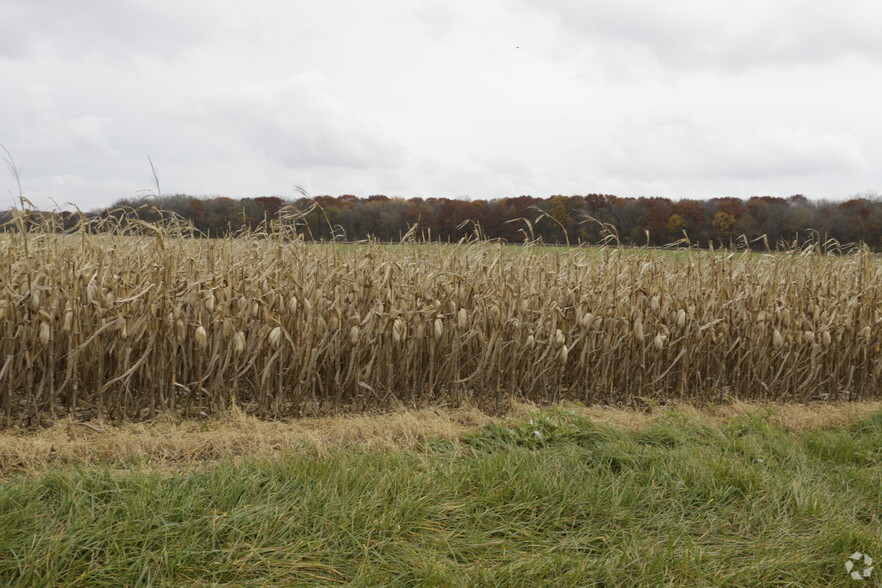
(455, 98)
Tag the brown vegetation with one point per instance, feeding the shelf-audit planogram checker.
(172, 443)
(129, 327)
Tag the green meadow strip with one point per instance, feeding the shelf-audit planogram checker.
(553, 499)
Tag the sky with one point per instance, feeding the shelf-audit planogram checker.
(443, 98)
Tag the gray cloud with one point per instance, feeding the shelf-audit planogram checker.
(109, 29)
(438, 16)
(697, 33)
(297, 123)
(681, 98)
(684, 149)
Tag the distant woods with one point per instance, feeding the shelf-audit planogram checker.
(763, 220)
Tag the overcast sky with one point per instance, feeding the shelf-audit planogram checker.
(455, 98)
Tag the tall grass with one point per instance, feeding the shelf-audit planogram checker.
(683, 502)
(146, 319)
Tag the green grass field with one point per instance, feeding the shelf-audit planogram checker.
(549, 499)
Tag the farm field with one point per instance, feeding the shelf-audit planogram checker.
(260, 410)
(730, 495)
(132, 326)
(440, 294)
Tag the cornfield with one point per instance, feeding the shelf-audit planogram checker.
(127, 326)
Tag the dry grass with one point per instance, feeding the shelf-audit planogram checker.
(165, 443)
(168, 442)
(814, 416)
(131, 326)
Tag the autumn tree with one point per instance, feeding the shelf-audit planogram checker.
(575, 218)
(657, 217)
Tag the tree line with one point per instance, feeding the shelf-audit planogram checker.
(653, 221)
